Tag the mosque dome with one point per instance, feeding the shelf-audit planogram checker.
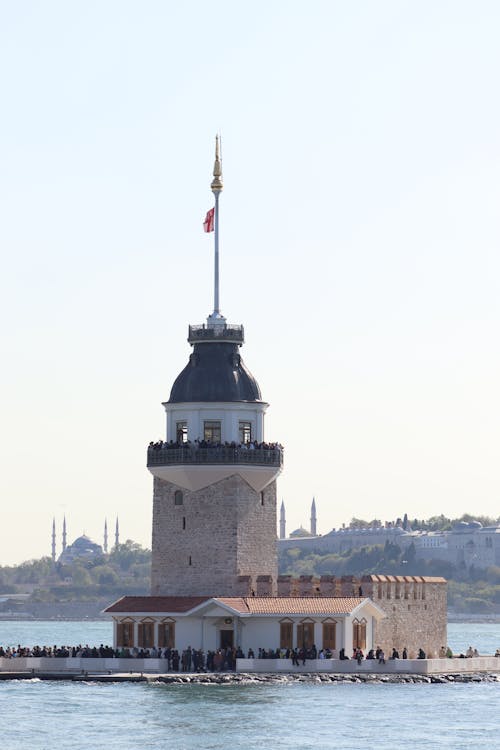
(300, 532)
(215, 372)
(82, 547)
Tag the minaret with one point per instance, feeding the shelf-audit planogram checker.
(282, 521)
(105, 545)
(64, 534)
(313, 518)
(214, 508)
(117, 533)
(53, 540)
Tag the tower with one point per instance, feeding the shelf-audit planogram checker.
(214, 499)
(313, 517)
(53, 540)
(64, 534)
(105, 545)
(282, 521)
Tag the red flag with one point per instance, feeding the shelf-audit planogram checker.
(208, 224)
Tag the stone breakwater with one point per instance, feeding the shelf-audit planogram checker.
(232, 679)
(255, 679)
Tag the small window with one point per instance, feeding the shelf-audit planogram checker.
(178, 498)
(125, 634)
(190, 561)
(145, 634)
(262, 498)
(181, 432)
(286, 634)
(245, 432)
(305, 634)
(184, 522)
(359, 634)
(166, 635)
(212, 432)
(329, 635)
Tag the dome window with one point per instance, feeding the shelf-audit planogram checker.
(212, 431)
(245, 429)
(181, 432)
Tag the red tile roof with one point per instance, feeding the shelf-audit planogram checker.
(287, 605)
(254, 605)
(156, 603)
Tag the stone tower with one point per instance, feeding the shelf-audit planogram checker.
(214, 502)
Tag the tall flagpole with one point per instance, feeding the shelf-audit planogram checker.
(217, 186)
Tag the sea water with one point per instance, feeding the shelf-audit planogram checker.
(345, 716)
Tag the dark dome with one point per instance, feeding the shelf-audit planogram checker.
(215, 372)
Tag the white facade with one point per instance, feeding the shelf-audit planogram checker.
(229, 414)
(215, 622)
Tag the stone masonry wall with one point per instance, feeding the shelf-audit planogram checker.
(415, 606)
(416, 614)
(218, 537)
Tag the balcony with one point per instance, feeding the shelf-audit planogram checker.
(226, 332)
(272, 457)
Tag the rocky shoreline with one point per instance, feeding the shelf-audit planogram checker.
(392, 679)
(255, 679)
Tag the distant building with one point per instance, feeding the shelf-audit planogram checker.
(467, 544)
(83, 548)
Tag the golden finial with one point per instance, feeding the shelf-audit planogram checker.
(217, 183)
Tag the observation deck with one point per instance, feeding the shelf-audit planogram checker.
(193, 467)
(203, 334)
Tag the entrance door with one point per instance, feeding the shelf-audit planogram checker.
(226, 638)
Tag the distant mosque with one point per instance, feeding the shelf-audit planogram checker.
(301, 531)
(83, 548)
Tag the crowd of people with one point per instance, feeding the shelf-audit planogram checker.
(197, 660)
(196, 445)
(188, 660)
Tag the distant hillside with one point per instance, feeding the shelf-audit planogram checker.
(36, 584)
(473, 591)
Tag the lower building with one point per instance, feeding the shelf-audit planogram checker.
(328, 613)
(249, 623)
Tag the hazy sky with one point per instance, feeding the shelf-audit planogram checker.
(359, 248)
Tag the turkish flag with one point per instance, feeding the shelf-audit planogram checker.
(208, 224)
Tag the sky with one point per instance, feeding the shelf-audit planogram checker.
(359, 248)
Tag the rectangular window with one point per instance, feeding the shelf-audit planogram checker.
(329, 635)
(145, 634)
(181, 432)
(166, 635)
(245, 432)
(286, 634)
(305, 634)
(125, 634)
(212, 432)
(359, 634)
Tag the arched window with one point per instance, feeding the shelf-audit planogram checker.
(178, 498)
(329, 632)
(359, 633)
